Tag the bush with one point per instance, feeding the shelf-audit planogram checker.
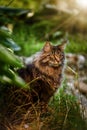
(8, 60)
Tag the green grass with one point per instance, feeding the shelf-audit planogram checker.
(78, 44)
(27, 38)
(32, 37)
(65, 112)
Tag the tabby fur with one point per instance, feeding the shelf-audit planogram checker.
(44, 73)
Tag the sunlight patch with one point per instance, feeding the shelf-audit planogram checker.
(82, 3)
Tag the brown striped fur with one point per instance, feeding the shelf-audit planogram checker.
(46, 68)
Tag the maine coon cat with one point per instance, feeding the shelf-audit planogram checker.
(44, 73)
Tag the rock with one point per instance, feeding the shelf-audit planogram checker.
(75, 60)
(82, 87)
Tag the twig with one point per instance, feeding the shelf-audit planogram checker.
(65, 119)
(10, 2)
(75, 73)
(32, 81)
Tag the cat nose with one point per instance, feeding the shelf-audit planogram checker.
(56, 62)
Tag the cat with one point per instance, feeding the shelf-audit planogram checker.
(44, 72)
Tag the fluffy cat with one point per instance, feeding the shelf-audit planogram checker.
(44, 73)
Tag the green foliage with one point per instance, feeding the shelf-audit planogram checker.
(32, 37)
(77, 44)
(27, 38)
(22, 3)
(8, 60)
(12, 15)
(66, 112)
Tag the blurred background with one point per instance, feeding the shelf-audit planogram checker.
(32, 22)
(46, 20)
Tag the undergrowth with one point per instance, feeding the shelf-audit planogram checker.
(31, 38)
(66, 112)
(62, 113)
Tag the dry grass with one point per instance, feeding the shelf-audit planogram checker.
(22, 113)
(21, 109)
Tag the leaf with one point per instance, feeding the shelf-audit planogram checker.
(9, 58)
(8, 42)
(15, 78)
(4, 32)
(4, 79)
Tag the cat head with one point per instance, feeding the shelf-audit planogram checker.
(49, 47)
(53, 56)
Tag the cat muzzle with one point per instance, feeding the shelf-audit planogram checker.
(54, 65)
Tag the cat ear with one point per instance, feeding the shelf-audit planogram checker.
(63, 45)
(47, 47)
